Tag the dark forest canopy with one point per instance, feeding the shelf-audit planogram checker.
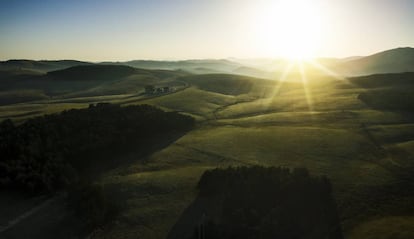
(261, 202)
(48, 152)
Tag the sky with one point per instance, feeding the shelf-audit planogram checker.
(118, 30)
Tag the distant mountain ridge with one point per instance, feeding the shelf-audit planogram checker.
(396, 60)
(220, 65)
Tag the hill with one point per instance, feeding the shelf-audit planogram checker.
(251, 71)
(81, 81)
(42, 66)
(326, 126)
(391, 61)
(224, 83)
(388, 91)
(94, 72)
(187, 65)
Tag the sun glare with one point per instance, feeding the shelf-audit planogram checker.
(288, 28)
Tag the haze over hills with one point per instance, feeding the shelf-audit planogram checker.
(220, 65)
(27, 80)
(391, 61)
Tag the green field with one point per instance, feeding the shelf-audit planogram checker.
(323, 125)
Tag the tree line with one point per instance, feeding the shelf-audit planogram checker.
(49, 152)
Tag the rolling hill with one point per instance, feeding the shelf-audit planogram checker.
(81, 81)
(224, 66)
(359, 127)
(42, 66)
(95, 72)
(388, 91)
(344, 129)
(391, 61)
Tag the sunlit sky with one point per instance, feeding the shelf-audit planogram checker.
(100, 30)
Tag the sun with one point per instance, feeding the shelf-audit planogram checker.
(288, 28)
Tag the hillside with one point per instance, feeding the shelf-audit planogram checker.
(253, 72)
(81, 81)
(225, 83)
(42, 66)
(388, 91)
(94, 72)
(360, 127)
(391, 61)
(331, 131)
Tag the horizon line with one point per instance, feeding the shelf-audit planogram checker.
(195, 59)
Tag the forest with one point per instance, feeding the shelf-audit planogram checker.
(263, 202)
(49, 152)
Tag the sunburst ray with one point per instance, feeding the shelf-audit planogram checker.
(279, 84)
(308, 94)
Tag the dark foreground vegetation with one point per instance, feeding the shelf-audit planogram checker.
(391, 92)
(47, 153)
(259, 202)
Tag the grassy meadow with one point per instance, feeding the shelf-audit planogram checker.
(323, 124)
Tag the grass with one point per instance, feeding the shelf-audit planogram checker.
(152, 200)
(327, 151)
(193, 101)
(21, 112)
(223, 84)
(169, 176)
(328, 140)
(11, 97)
(243, 121)
(393, 133)
(397, 227)
(293, 98)
(407, 146)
